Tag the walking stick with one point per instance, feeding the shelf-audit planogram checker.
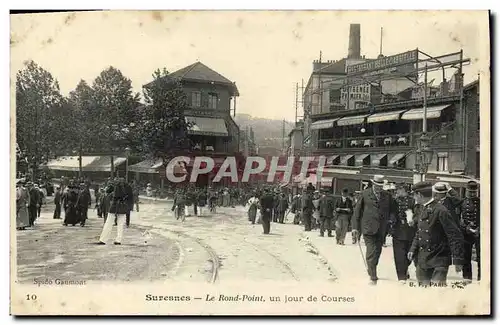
(362, 254)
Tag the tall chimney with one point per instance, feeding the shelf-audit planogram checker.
(354, 51)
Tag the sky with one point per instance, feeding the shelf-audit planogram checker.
(265, 52)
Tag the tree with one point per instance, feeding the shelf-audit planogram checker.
(41, 113)
(164, 130)
(116, 111)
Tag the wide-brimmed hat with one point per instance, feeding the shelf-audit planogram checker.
(441, 188)
(378, 180)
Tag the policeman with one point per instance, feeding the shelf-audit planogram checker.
(267, 206)
(470, 225)
(438, 242)
(403, 228)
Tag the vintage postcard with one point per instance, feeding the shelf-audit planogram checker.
(250, 163)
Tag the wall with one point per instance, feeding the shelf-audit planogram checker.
(471, 106)
(224, 103)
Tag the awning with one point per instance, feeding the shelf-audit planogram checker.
(89, 163)
(352, 120)
(396, 158)
(345, 159)
(207, 126)
(360, 158)
(331, 160)
(324, 124)
(147, 166)
(418, 113)
(377, 158)
(383, 117)
(341, 171)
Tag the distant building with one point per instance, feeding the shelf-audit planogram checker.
(214, 132)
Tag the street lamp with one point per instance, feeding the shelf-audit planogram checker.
(127, 154)
(424, 152)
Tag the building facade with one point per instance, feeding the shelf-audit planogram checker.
(213, 133)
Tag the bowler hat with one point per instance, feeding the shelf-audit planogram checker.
(345, 190)
(422, 187)
(472, 186)
(378, 180)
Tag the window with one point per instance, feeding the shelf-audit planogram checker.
(196, 99)
(212, 100)
(442, 162)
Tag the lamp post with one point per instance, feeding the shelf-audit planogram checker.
(424, 152)
(127, 154)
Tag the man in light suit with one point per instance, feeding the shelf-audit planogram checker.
(371, 218)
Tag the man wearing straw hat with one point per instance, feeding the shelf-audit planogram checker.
(371, 218)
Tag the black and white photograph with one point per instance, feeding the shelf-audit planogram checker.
(250, 163)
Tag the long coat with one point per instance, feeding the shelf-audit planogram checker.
(371, 216)
(326, 206)
(439, 241)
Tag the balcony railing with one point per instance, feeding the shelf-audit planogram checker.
(390, 142)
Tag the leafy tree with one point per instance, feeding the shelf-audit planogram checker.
(116, 111)
(41, 116)
(164, 130)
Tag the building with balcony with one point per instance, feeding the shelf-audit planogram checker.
(383, 139)
(214, 133)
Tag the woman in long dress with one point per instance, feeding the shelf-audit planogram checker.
(22, 199)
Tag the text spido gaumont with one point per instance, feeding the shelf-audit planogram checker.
(253, 166)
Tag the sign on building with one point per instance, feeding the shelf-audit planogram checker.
(383, 65)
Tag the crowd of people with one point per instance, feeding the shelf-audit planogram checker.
(430, 225)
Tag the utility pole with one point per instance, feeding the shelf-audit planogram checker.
(283, 137)
(296, 101)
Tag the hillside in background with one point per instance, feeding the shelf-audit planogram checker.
(268, 132)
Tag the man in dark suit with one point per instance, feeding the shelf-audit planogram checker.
(326, 208)
(343, 208)
(307, 208)
(403, 224)
(470, 225)
(371, 218)
(267, 206)
(438, 242)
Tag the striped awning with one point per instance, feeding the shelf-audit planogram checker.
(89, 163)
(383, 117)
(377, 158)
(418, 113)
(345, 159)
(352, 120)
(207, 126)
(330, 160)
(360, 158)
(396, 158)
(147, 166)
(324, 124)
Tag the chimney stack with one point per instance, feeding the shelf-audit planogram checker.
(354, 51)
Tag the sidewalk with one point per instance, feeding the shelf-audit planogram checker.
(52, 251)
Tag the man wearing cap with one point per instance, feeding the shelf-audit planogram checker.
(403, 230)
(266, 206)
(326, 208)
(371, 217)
(343, 209)
(307, 208)
(438, 242)
(470, 225)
